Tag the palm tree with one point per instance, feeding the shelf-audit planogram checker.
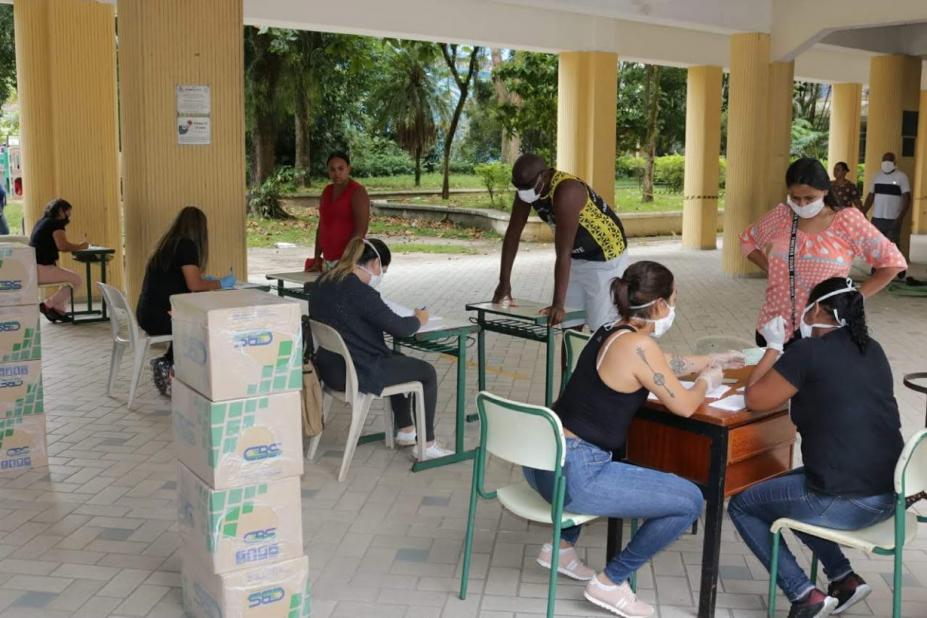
(407, 103)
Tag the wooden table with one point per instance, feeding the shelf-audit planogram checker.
(524, 321)
(89, 256)
(299, 278)
(721, 452)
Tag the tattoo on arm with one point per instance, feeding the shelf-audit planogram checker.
(658, 378)
(679, 365)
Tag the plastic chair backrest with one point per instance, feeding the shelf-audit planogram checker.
(911, 470)
(121, 317)
(521, 433)
(574, 341)
(327, 338)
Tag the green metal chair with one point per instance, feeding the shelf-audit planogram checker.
(525, 435)
(574, 341)
(886, 538)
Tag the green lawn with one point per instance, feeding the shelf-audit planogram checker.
(14, 216)
(406, 183)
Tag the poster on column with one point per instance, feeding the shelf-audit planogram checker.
(194, 125)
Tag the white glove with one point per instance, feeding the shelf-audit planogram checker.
(732, 359)
(774, 333)
(713, 376)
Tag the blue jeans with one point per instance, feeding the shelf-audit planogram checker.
(596, 485)
(754, 510)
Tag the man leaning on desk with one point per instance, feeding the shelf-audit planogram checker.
(588, 236)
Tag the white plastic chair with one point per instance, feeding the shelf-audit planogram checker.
(886, 538)
(327, 338)
(126, 333)
(525, 435)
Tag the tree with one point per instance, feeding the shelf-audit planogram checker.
(652, 99)
(449, 52)
(511, 144)
(7, 53)
(531, 114)
(263, 68)
(406, 101)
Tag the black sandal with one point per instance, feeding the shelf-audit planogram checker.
(56, 316)
(48, 313)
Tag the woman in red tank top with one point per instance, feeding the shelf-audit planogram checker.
(344, 213)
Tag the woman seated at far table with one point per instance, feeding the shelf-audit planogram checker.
(49, 239)
(175, 267)
(346, 299)
(618, 367)
(840, 386)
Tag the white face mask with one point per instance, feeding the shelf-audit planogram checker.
(375, 279)
(888, 166)
(808, 329)
(528, 196)
(660, 325)
(808, 211)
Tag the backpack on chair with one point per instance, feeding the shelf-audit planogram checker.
(313, 421)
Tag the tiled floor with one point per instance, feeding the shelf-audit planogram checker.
(93, 535)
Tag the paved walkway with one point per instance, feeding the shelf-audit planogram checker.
(93, 536)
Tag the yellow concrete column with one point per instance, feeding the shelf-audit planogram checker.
(919, 189)
(894, 88)
(587, 98)
(194, 43)
(747, 156)
(66, 73)
(703, 147)
(779, 136)
(843, 134)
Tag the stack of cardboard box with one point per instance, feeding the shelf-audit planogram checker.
(238, 438)
(22, 407)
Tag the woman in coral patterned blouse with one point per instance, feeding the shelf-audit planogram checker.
(827, 239)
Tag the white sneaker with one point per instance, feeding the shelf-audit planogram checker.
(619, 600)
(406, 438)
(435, 451)
(568, 563)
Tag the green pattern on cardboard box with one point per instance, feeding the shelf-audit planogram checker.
(224, 423)
(285, 374)
(224, 509)
(8, 426)
(30, 348)
(33, 403)
(300, 604)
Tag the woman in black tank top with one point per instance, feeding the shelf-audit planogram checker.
(617, 369)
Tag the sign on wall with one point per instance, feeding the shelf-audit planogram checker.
(194, 125)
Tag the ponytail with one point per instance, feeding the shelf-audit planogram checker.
(848, 308)
(349, 259)
(641, 285)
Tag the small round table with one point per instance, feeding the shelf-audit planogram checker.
(910, 382)
(90, 256)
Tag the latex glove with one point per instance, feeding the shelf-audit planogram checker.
(210, 278)
(732, 359)
(713, 376)
(774, 333)
(227, 282)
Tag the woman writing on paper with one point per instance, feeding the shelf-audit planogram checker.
(49, 239)
(840, 386)
(809, 239)
(618, 367)
(175, 267)
(346, 299)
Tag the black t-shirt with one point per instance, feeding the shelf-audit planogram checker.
(155, 300)
(42, 239)
(846, 413)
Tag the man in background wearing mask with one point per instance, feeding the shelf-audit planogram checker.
(891, 194)
(589, 241)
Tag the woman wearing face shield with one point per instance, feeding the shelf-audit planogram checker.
(618, 367)
(809, 239)
(345, 298)
(840, 385)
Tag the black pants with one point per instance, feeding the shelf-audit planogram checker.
(396, 370)
(156, 324)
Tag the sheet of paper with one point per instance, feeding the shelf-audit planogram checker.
(400, 310)
(752, 356)
(734, 403)
(717, 392)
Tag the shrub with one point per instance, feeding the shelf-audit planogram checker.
(496, 178)
(373, 155)
(265, 200)
(722, 165)
(670, 170)
(629, 166)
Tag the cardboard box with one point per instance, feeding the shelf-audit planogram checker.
(23, 443)
(229, 529)
(20, 335)
(273, 591)
(237, 343)
(19, 282)
(21, 392)
(240, 441)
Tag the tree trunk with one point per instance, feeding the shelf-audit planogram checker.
(652, 100)
(265, 156)
(511, 144)
(463, 85)
(265, 73)
(418, 166)
(301, 137)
